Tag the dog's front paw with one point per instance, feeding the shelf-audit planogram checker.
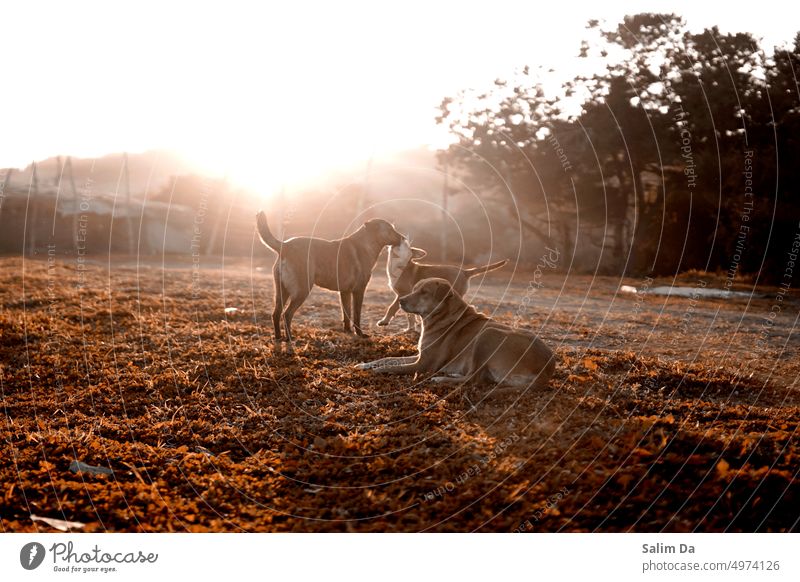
(382, 322)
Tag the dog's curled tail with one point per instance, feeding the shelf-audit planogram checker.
(485, 269)
(266, 236)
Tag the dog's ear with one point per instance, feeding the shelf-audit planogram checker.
(443, 290)
(417, 253)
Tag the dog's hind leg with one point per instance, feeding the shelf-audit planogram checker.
(276, 316)
(280, 296)
(295, 301)
(346, 298)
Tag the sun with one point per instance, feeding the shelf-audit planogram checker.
(285, 161)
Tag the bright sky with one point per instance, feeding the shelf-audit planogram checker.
(269, 92)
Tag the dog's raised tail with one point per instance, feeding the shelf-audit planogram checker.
(266, 235)
(485, 269)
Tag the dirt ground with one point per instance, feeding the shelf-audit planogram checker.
(676, 414)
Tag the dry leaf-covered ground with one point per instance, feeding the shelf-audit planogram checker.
(672, 415)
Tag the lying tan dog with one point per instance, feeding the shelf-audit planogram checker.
(457, 340)
(404, 272)
(344, 265)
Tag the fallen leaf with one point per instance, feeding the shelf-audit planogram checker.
(59, 524)
(574, 378)
(81, 467)
(723, 467)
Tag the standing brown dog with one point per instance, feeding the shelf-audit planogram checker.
(344, 265)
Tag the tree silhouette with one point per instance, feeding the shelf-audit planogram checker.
(671, 162)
